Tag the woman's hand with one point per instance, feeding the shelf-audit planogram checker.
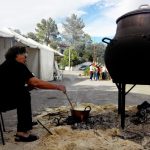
(61, 88)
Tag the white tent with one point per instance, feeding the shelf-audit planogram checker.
(40, 59)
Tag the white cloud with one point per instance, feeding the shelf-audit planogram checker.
(102, 28)
(105, 25)
(124, 6)
(24, 15)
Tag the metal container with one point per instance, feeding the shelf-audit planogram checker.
(80, 115)
(134, 23)
(127, 55)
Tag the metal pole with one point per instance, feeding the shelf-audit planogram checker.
(69, 58)
(123, 106)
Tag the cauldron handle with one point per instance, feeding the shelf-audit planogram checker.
(87, 107)
(105, 40)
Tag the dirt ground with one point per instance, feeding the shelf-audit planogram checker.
(80, 90)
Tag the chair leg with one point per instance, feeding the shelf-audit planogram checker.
(1, 130)
(2, 122)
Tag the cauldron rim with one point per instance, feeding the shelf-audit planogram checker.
(135, 12)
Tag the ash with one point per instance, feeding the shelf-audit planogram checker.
(99, 121)
(137, 122)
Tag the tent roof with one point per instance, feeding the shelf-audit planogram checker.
(7, 32)
(3, 33)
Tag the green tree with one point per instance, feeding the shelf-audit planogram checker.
(73, 58)
(98, 52)
(86, 51)
(75, 37)
(73, 31)
(47, 31)
(32, 36)
(87, 40)
(17, 31)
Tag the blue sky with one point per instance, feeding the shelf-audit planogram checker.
(99, 16)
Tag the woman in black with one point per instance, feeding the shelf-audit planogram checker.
(14, 75)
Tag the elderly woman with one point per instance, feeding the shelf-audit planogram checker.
(14, 75)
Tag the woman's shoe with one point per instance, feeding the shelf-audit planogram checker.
(34, 123)
(29, 138)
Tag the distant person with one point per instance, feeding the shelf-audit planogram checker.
(104, 73)
(94, 72)
(91, 71)
(98, 71)
(14, 75)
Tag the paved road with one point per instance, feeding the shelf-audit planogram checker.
(80, 89)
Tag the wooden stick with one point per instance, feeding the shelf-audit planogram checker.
(45, 127)
(69, 100)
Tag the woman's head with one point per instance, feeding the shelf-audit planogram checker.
(17, 53)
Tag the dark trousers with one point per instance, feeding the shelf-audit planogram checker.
(91, 75)
(24, 113)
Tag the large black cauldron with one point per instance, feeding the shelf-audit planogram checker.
(127, 55)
